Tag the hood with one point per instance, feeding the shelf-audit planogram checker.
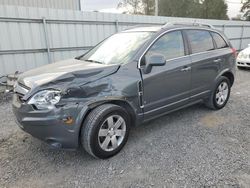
(246, 51)
(61, 74)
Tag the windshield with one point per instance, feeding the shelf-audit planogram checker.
(117, 49)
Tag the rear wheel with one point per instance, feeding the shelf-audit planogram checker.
(220, 95)
(105, 131)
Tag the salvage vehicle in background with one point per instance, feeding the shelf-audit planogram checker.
(243, 59)
(129, 78)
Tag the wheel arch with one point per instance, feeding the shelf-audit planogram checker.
(119, 102)
(227, 73)
(230, 76)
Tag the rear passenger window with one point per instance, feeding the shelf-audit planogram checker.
(220, 42)
(200, 41)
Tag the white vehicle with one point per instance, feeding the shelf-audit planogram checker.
(243, 59)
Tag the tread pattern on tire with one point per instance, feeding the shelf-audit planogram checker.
(91, 119)
(210, 102)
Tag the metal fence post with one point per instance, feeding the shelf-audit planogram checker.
(223, 28)
(241, 36)
(117, 26)
(47, 39)
(80, 5)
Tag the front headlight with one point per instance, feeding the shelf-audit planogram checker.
(240, 54)
(46, 99)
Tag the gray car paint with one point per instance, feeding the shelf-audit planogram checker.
(86, 85)
(64, 75)
(166, 85)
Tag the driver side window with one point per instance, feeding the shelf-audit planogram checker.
(169, 45)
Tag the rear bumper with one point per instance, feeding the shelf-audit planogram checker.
(50, 125)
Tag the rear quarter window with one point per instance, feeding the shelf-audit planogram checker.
(220, 42)
(200, 40)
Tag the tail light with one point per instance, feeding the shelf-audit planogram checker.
(234, 51)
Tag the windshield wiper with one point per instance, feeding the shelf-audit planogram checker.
(93, 61)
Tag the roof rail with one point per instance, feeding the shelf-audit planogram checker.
(188, 24)
(141, 25)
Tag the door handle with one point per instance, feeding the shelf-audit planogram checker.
(185, 69)
(217, 60)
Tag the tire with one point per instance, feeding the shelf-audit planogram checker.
(105, 131)
(213, 101)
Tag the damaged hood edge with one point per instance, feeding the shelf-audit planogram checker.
(63, 75)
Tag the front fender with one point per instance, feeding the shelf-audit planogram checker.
(86, 107)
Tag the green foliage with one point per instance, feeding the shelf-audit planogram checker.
(179, 8)
(132, 6)
(210, 9)
(246, 5)
(246, 9)
(149, 7)
(214, 9)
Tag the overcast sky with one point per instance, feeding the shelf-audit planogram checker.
(234, 7)
(99, 4)
(110, 6)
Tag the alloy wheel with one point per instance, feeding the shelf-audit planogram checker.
(112, 133)
(222, 93)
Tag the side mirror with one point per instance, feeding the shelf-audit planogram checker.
(153, 60)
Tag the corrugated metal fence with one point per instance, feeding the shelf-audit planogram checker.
(32, 37)
(57, 4)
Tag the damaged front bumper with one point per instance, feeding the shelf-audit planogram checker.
(51, 126)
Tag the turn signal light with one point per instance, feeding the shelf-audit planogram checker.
(69, 120)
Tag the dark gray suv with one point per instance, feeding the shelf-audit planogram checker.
(129, 78)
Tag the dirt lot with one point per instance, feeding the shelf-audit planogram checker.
(194, 147)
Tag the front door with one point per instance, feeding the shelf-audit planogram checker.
(167, 87)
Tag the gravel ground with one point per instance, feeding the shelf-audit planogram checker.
(194, 147)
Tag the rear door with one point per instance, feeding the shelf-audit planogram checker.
(167, 87)
(205, 62)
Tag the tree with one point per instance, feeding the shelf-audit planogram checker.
(246, 6)
(132, 6)
(210, 9)
(146, 7)
(246, 9)
(179, 8)
(214, 9)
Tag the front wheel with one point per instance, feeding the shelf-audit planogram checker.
(220, 95)
(105, 131)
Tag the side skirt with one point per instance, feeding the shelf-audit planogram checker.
(176, 109)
